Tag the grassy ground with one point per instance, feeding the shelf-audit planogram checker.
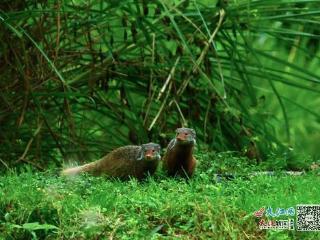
(46, 206)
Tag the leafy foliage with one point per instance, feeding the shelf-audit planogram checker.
(79, 78)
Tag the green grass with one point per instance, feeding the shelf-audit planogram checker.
(37, 205)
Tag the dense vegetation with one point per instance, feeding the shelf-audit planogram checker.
(81, 77)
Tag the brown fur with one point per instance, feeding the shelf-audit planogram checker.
(121, 163)
(178, 160)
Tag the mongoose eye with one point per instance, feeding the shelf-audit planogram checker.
(186, 134)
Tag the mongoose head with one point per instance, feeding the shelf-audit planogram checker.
(186, 136)
(150, 152)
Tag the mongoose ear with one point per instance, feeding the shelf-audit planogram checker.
(158, 148)
(140, 154)
(193, 132)
(171, 144)
(158, 156)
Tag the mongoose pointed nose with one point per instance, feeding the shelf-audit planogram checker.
(185, 138)
(149, 154)
(182, 136)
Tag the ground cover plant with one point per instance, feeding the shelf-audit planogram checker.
(37, 205)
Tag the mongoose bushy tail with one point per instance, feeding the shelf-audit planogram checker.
(178, 159)
(123, 162)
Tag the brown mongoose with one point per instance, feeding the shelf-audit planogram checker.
(178, 159)
(123, 162)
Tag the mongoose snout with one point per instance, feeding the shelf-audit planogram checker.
(186, 136)
(150, 152)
